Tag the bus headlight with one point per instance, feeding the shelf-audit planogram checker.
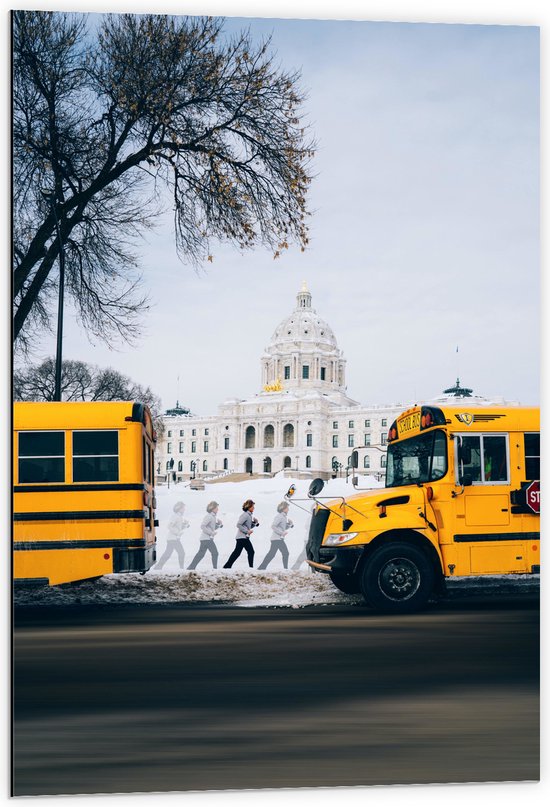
(336, 538)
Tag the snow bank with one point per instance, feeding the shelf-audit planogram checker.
(247, 589)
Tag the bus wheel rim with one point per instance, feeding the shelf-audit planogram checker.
(399, 579)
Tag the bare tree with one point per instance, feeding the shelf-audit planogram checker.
(82, 382)
(106, 121)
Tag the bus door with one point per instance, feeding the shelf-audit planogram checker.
(488, 533)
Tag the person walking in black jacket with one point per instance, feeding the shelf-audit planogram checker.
(245, 525)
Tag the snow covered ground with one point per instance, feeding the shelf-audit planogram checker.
(240, 585)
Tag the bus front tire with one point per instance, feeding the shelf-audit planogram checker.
(349, 584)
(398, 578)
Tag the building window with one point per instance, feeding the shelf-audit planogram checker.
(384, 421)
(250, 437)
(383, 439)
(181, 448)
(288, 436)
(309, 439)
(194, 447)
(367, 424)
(351, 441)
(287, 372)
(169, 434)
(204, 465)
(323, 373)
(206, 446)
(366, 462)
(351, 424)
(335, 441)
(305, 371)
(226, 443)
(383, 461)
(169, 448)
(181, 432)
(269, 437)
(225, 465)
(308, 461)
(206, 432)
(334, 424)
(41, 457)
(180, 466)
(95, 456)
(367, 440)
(194, 433)
(287, 462)
(532, 456)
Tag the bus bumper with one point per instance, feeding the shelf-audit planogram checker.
(134, 560)
(341, 560)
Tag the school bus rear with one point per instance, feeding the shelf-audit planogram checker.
(83, 495)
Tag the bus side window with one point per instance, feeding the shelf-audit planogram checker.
(146, 467)
(470, 452)
(41, 457)
(495, 466)
(483, 458)
(95, 456)
(532, 455)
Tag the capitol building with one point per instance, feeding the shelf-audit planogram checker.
(302, 421)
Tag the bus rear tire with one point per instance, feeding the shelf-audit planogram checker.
(347, 583)
(398, 579)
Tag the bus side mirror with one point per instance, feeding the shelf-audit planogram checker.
(354, 459)
(465, 480)
(316, 487)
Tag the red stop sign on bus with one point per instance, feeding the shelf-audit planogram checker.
(532, 496)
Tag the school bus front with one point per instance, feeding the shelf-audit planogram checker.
(461, 498)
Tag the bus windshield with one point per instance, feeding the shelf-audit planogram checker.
(419, 459)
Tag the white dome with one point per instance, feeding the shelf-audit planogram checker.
(303, 353)
(303, 325)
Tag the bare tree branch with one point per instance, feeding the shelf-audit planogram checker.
(101, 119)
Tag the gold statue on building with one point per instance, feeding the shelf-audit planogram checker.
(275, 387)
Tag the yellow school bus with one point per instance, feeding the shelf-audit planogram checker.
(462, 498)
(83, 492)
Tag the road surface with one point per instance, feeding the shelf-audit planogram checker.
(125, 698)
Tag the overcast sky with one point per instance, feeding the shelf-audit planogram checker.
(424, 236)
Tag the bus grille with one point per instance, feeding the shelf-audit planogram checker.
(316, 533)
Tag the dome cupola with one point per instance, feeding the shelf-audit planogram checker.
(303, 353)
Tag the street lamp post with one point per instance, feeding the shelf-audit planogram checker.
(59, 346)
(169, 470)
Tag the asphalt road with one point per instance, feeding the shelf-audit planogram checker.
(121, 699)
